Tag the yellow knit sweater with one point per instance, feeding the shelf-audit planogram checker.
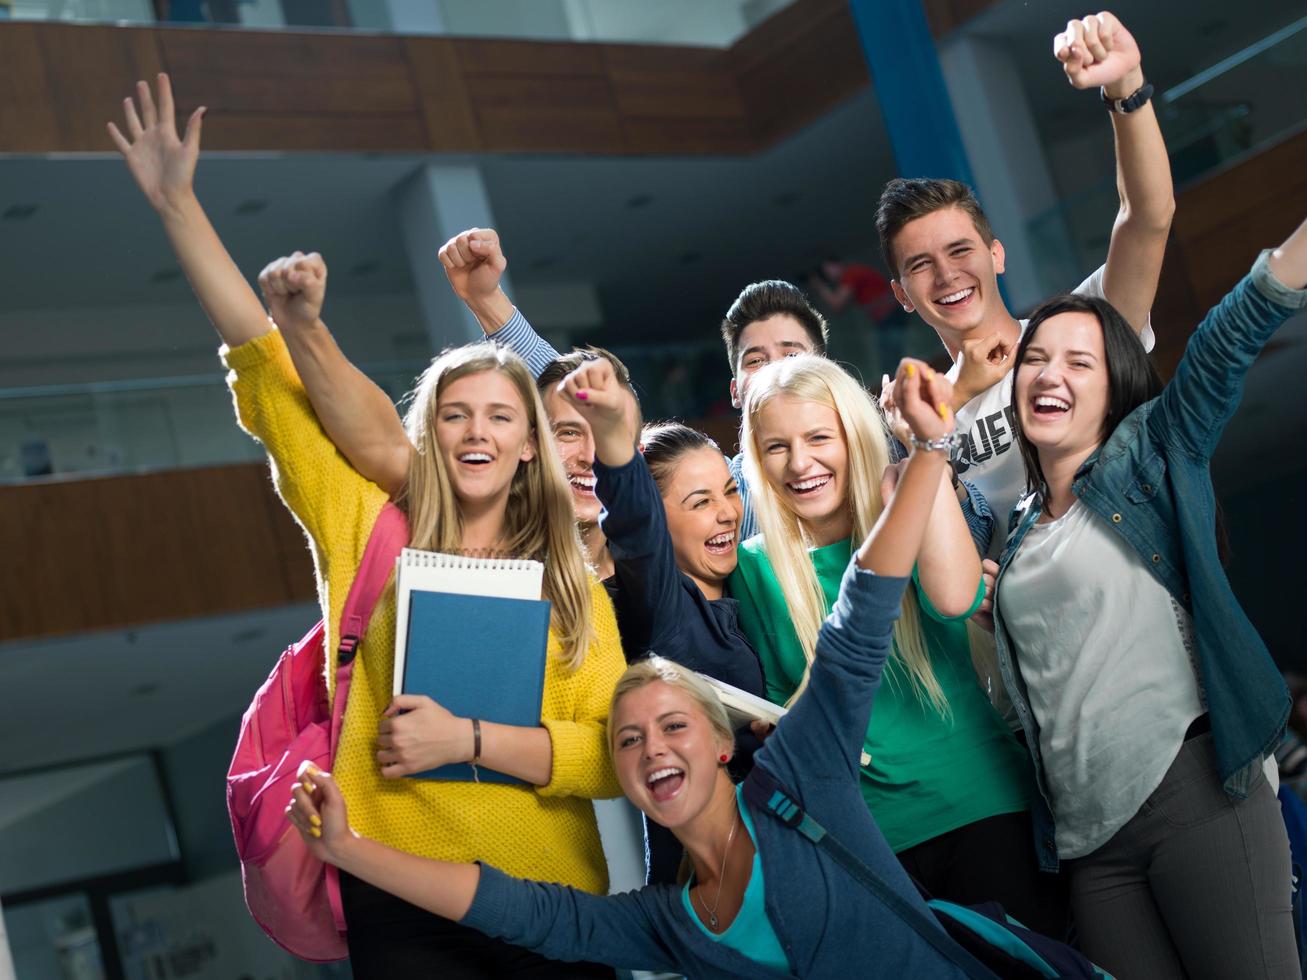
(545, 832)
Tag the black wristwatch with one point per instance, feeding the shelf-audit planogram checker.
(1130, 103)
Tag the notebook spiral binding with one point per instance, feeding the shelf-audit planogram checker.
(476, 558)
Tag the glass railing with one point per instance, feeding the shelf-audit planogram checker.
(109, 428)
(1228, 110)
(115, 427)
(716, 23)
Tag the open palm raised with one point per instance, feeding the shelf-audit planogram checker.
(162, 164)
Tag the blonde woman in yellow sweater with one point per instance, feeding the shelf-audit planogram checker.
(486, 476)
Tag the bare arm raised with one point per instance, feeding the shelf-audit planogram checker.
(1099, 51)
(163, 166)
(355, 412)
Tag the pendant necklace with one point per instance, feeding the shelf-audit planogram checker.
(726, 853)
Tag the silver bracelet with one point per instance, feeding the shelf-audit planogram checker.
(946, 443)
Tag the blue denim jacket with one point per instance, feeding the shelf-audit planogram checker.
(1151, 483)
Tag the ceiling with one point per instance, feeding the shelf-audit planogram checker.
(690, 231)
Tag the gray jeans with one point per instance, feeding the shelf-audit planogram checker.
(1196, 885)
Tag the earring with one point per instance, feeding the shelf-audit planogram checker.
(724, 758)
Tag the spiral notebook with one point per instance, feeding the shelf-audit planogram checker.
(472, 634)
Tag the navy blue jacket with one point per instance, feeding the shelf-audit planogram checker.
(828, 924)
(659, 608)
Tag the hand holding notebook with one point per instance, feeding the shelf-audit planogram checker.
(471, 634)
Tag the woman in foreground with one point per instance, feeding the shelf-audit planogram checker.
(763, 901)
(1148, 699)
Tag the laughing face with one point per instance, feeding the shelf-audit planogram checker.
(666, 753)
(947, 273)
(576, 448)
(805, 458)
(1062, 386)
(704, 513)
(483, 433)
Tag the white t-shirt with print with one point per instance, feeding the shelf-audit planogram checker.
(989, 457)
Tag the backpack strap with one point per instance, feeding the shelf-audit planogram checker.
(389, 536)
(766, 793)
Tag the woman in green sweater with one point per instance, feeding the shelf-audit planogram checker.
(946, 781)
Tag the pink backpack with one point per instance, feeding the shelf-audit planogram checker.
(294, 897)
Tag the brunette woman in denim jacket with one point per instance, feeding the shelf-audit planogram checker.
(1148, 700)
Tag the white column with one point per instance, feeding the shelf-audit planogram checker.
(1007, 159)
(435, 204)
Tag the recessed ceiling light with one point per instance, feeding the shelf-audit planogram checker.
(252, 206)
(19, 212)
(639, 201)
(166, 275)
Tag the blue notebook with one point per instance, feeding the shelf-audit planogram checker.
(480, 657)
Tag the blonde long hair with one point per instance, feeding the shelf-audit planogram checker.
(816, 379)
(538, 522)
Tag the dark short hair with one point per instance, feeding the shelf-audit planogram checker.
(905, 199)
(1131, 377)
(761, 300)
(564, 364)
(663, 443)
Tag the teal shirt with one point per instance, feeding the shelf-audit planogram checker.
(928, 774)
(751, 934)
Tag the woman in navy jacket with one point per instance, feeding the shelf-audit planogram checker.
(763, 901)
(671, 517)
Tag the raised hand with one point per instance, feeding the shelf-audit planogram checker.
(162, 164)
(474, 263)
(1098, 50)
(985, 361)
(294, 288)
(923, 395)
(318, 812)
(609, 408)
(897, 427)
(417, 734)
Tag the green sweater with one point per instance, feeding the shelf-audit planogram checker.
(928, 774)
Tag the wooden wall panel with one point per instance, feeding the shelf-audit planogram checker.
(798, 65)
(529, 96)
(694, 110)
(116, 552)
(1222, 222)
(28, 121)
(64, 82)
(442, 93)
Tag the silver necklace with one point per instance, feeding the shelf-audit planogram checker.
(726, 853)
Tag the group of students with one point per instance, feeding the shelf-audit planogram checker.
(851, 562)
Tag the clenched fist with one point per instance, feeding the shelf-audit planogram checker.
(294, 288)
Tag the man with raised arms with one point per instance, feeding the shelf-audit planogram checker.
(945, 260)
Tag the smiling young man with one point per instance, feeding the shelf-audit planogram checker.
(946, 261)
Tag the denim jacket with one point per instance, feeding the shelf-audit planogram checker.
(1151, 483)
